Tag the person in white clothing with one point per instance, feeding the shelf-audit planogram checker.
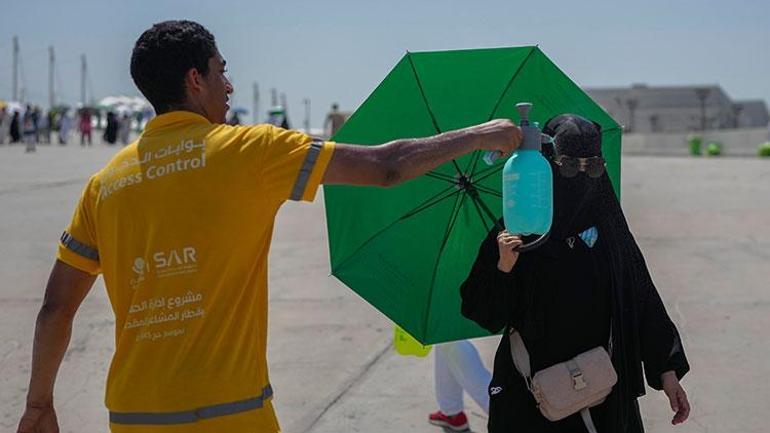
(65, 125)
(5, 124)
(458, 367)
(124, 128)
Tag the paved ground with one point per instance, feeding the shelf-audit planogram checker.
(704, 225)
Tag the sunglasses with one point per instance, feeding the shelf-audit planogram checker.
(569, 166)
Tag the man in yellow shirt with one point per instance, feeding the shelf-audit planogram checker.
(179, 225)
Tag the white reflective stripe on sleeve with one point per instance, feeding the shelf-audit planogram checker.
(78, 247)
(307, 167)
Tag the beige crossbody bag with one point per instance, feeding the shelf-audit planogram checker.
(568, 387)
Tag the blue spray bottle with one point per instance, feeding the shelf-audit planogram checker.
(527, 184)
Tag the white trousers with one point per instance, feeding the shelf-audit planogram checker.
(459, 367)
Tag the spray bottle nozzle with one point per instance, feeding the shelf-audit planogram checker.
(524, 108)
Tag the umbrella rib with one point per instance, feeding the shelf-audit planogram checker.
(486, 172)
(441, 176)
(472, 163)
(422, 93)
(489, 213)
(489, 191)
(455, 211)
(425, 205)
(450, 226)
(476, 157)
(515, 74)
(457, 167)
(429, 203)
(427, 106)
(481, 217)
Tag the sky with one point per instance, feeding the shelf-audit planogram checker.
(338, 51)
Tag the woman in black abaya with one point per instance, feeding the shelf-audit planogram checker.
(564, 296)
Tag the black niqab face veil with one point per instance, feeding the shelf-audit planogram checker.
(577, 198)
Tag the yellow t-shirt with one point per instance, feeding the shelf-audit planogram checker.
(179, 223)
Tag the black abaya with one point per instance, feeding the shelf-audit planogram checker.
(563, 300)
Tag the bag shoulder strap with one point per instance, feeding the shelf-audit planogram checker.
(520, 354)
(586, 415)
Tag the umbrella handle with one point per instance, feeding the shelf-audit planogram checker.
(534, 244)
(491, 156)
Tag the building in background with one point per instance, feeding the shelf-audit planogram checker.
(650, 109)
(752, 114)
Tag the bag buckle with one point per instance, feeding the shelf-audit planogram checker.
(577, 375)
(578, 382)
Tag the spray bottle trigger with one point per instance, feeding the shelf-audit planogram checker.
(491, 156)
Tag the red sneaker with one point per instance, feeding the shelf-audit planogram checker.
(457, 422)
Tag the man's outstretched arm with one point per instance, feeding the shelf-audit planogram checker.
(66, 289)
(400, 160)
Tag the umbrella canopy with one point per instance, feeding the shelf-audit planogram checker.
(110, 101)
(11, 106)
(406, 250)
(123, 104)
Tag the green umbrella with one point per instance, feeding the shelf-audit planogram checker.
(407, 249)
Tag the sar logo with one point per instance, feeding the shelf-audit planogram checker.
(140, 268)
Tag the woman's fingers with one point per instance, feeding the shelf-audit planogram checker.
(684, 407)
(508, 242)
(679, 404)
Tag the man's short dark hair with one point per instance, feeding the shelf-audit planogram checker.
(162, 56)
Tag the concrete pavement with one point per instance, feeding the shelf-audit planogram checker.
(703, 224)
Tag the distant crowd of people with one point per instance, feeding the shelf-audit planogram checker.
(277, 115)
(34, 126)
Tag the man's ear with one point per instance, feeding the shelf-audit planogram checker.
(193, 80)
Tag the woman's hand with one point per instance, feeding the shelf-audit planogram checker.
(676, 396)
(507, 243)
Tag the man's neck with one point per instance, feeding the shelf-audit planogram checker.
(193, 108)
